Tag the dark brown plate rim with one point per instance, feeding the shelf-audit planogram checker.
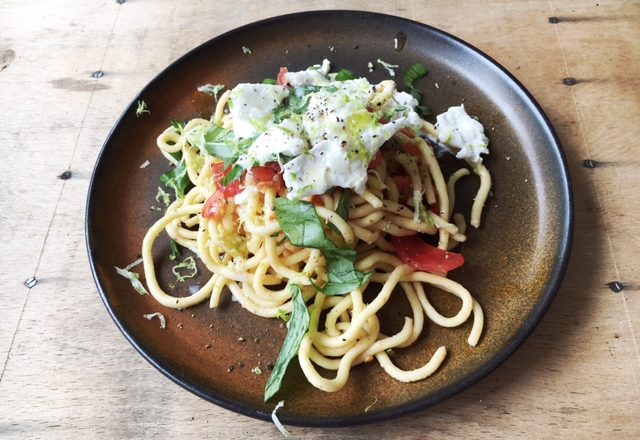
(550, 290)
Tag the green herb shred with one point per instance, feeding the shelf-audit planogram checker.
(189, 267)
(175, 250)
(141, 109)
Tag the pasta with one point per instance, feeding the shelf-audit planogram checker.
(266, 240)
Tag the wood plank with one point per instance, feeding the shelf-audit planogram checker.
(607, 97)
(44, 100)
(71, 374)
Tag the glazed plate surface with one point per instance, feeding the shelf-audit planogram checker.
(514, 262)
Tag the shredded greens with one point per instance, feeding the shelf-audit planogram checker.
(276, 421)
(141, 109)
(175, 250)
(211, 90)
(284, 315)
(298, 326)
(178, 126)
(390, 67)
(345, 75)
(160, 316)
(163, 197)
(133, 277)
(190, 269)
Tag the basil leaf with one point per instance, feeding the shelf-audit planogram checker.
(177, 155)
(215, 140)
(298, 326)
(343, 204)
(234, 174)
(302, 226)
(345, 75)
(178, 179)
(343, 276)
(224, 152)
(343, 207)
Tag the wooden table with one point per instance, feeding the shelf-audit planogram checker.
(67, 70)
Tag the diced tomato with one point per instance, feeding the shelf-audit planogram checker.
(317, 200)
(377, 160)
(435, 208)
(415, 252)
(281, 80)
(233, 189)
(408, 132)
(214, 206)
(412, 149)
(404, 185)
(268, 176)
(220, 170)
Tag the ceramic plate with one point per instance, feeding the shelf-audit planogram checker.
(515, 261)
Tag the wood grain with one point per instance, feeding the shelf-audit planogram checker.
(66, 371)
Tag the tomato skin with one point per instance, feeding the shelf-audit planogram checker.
(220, 170)
(268, 176)
(422, 256)
(317, 200)
(405, 188)
(377, 160)
(412, 149)
(435, 208)
(214, 206)
(281, 80)
(408, 132)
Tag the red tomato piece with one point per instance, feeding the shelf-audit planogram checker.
(281, 80)
(220, 170)
(232, 190)
(405, 188)
(317, 200)
(408, 132)
(435, 208)
(214, 206)
(415, 252)
(412, 149)
(268, 176)
(377, 160)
